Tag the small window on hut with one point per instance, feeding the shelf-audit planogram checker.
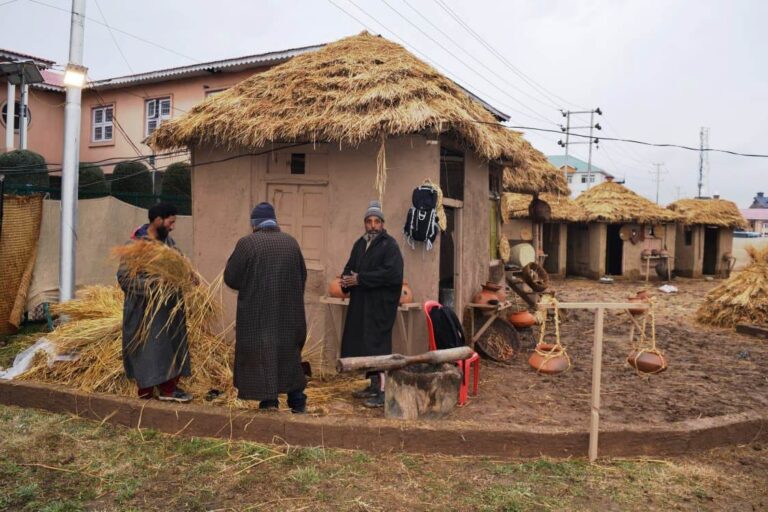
(298, 163)
(495, 179)
(688, 236)
(452, 173)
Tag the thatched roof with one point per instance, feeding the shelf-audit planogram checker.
(356, 89)
(713, 212)
(613, 202)
(535, 176)
(742, 298)
(564, 209)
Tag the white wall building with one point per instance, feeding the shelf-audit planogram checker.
(579, 179)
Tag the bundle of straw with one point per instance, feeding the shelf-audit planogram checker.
(742, 298)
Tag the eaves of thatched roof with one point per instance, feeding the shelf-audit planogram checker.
(357, 89)
(711, 212)
(615, 203)
(564, 209)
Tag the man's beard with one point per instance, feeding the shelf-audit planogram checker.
(162, 233)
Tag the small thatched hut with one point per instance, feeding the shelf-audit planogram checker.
(704, 238)
(619, 226)
(551, 236)
(324, 133)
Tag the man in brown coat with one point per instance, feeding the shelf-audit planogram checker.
(268, 271)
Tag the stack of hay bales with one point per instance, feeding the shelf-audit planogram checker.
(743, 298)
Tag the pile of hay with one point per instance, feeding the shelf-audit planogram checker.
(613, 202)
(710, 212)
(743, 298)
(564, 209)
(93, 333)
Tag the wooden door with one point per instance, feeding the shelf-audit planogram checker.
(301, 212)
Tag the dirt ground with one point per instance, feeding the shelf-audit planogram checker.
(711, 371)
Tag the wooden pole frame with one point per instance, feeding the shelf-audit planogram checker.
(597, 357)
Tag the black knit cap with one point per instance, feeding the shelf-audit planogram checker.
(162, 210)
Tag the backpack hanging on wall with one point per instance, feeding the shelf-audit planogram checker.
(421, 222)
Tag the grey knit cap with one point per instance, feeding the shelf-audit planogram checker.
(374, 209)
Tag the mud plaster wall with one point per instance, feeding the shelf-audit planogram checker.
(633, 267)
(689, 259)
(577, 262)
(223, 194)
(562, 248)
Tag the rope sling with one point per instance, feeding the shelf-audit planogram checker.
(644, 345)
(557, 350)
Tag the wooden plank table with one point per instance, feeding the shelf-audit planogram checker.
(337, 308)
(597, 356)
(670, 260)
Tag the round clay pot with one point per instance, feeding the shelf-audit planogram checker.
(488, 295)
(645, 253)
(539, 211)
(407, 294)
(522, 319)
(552, 365)
(636, 299)
(664, 253)
(334, 289)
(647, 362)
(654, 252)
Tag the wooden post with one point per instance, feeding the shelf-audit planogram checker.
(597, 368)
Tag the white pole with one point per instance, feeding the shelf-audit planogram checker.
(23, 114)
(70, 159)
(9, 114)
(589, 160)
(597, 370)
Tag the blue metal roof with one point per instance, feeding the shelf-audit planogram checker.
(578, 164)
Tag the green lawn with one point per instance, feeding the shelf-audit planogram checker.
(10, 345)
(51, 462)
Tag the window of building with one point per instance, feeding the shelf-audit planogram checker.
(101, 124)
(16, 116)
(452, 173)
(157, 110)
(584, 178)
(688, 237)
(298, 163)
(213, 92)
(570, 179)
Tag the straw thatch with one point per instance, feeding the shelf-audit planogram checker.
(712, 212)
(536, 176)
(613, 202)
(564, 209)
(742, 298)
(361, 88)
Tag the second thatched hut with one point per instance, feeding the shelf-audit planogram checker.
(620, 228)
(704, 240)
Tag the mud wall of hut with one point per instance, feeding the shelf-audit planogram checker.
(690, 257)
(586, 249)
(324, 208)
(633, 266)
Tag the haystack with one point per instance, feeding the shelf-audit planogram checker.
(543, 177)
(564, 209)
(743, 298)
(710, 212)
(615, 203)
(361, 88)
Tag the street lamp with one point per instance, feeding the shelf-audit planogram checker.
(74, 75)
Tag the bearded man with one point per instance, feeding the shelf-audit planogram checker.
(373, 276)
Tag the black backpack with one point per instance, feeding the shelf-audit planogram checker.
(421, 222)
(447, 328)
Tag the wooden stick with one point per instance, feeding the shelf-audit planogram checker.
(597, 368)
(484, 328)
(395, 361)
(596, 305)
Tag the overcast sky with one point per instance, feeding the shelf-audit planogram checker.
(658, 69)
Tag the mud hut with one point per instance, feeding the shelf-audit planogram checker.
(326, 132)
(704, 239)
(549, 237)
(619, 226)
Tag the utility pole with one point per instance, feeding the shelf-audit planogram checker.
(591, 140)
(24, 90)
(703, 146)
(9, 115)
(74, 78)
(658, 179)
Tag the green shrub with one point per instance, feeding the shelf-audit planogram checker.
(23, 168)
(132, 182)
(177, 187)
(91, 181)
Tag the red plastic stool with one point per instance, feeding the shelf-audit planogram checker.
(466, 365)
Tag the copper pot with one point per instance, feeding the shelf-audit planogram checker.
(488, 295)
(647, 362)
(406, 296)
(549, 365)
(522, 319)
(334, 289)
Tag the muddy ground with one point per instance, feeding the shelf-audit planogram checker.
(711, 371)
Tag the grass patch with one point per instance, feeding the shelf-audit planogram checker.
(12, 344)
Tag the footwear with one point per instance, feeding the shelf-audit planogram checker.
(299, 410)
(376, 401)
(178, 395)
(368, 392)
(269, 405)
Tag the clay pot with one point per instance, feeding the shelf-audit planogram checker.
(522, 319)
(548, 365)
(334, 289)
(539, 211)
(488, 295)
(638, 298)
(645, 253)
(654, 252)
(647, 362)
(664, 253)
(407, 294)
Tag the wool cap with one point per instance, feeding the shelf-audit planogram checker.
(261, 212)
(374, 209)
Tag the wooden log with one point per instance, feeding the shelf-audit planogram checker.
(395, 361)
(760, 331)
(421, 391)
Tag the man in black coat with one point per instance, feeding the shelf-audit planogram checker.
(374, 278)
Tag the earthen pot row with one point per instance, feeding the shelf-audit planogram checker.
(336, 291)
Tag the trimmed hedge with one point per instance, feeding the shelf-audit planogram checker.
(132, 182)
(32, 170)
(92, 182)
(177, 187)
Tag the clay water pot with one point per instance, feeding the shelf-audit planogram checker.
(488, 295)
(664, 253)
(647, 362)
(548, 365)
(645, 253)
(522, 319)
(334, 289)
(406, 295)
